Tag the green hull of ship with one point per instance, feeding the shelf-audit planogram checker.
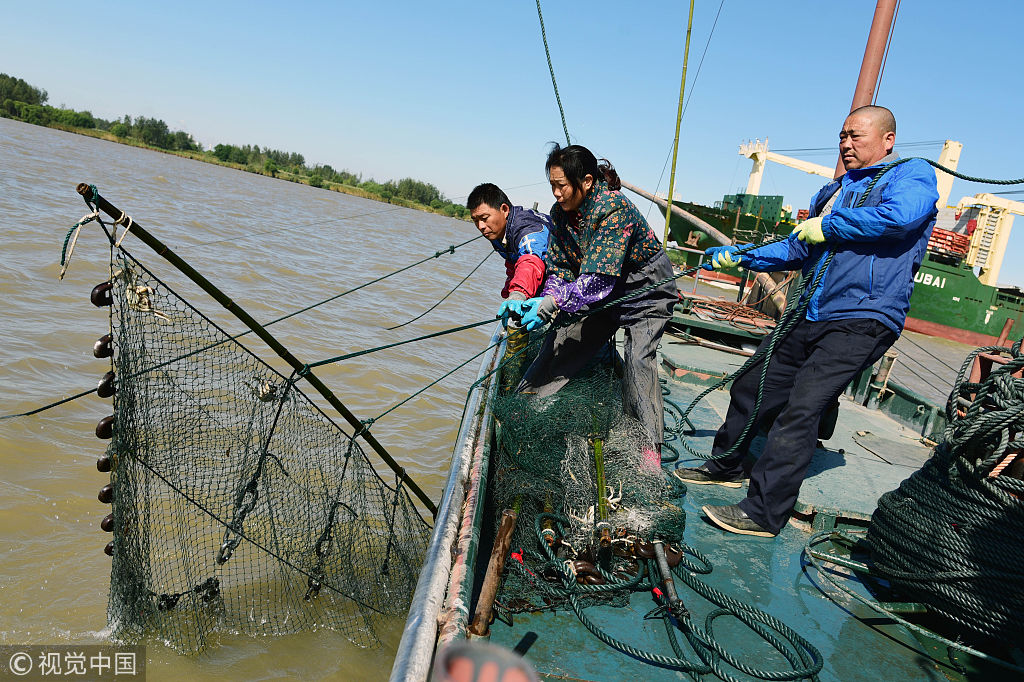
(949, 301)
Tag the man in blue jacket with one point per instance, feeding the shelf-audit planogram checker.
(854, 315)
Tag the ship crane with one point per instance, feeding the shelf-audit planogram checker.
(989, 220)
(758, 152)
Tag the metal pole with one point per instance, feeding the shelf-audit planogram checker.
(874, 52)
(679, 120)
(174, 259)
(1005, 333)
(697, 223)
(416, 649)
(743, 286)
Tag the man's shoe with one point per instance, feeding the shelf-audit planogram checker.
(701, 476)
(735, 520)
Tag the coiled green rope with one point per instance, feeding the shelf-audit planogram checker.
(817, 559)
(801, 654)
(950, 535)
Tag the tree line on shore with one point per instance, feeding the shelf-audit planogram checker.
(24, 102)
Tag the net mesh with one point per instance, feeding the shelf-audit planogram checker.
(239, 506)
(547, 462)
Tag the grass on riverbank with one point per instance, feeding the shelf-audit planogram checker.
(208, 157)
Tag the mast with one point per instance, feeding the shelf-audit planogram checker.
(871, 65)
(679, 120)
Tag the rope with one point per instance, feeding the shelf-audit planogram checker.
(437, 254)
(51, 405)
(801, 654)
(815, 558)
(551, 70)
(956, 174)
(693, 85)
(904, 356)
(949, 536)
(443, 332)
(885, 54)
(696, 76)
(65, 252)
(942, 390)
(784, 283)
(436, 381)
(450, 292)
(126, 220)
(739, 315)
(933, 356)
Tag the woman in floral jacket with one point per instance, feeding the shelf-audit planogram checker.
(600, 250)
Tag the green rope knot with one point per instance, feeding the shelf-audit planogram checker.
(94, 194)
(365, 428)
(450, 249)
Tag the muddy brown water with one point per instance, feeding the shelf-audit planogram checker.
(272, 246)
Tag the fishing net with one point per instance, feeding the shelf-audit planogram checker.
(576, 455)
(598, 520)
(238, 505)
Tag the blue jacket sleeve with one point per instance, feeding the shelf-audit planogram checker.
(786, 255)
(908, 202)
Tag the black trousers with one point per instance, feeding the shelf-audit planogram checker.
(808, 371)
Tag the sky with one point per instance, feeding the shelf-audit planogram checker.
(457, 93)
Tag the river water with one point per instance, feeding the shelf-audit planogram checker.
(273, 247)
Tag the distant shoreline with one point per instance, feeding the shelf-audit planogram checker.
(206, 157)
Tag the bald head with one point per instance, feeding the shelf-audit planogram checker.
(868, 136)
(882, 117)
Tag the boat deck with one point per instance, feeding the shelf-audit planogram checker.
(869, 455)
(927, 365)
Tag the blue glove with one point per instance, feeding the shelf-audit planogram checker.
(721, 257)
(512, 308)
(537, 312)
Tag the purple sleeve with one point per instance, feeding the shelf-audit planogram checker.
(586, 289)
